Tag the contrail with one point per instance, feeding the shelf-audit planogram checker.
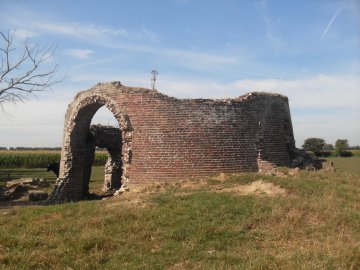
(332, 20)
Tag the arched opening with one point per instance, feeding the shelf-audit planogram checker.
(80, 140)
(108, 139)
(104, 139)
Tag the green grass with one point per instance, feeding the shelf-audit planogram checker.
(350, 165)
(316, 226)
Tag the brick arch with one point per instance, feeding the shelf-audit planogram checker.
(275, 136)
(70, 185)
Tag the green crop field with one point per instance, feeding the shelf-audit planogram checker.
(38, 159)
(199, 224)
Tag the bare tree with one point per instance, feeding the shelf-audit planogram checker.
(154, 74)
(25, 70)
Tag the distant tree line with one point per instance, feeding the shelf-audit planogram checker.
(21, 148)
(320, 148)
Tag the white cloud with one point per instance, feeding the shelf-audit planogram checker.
(80, 30)
(187, 58)
(261, 7)
(154, 37)
(31, 23)
(79, 53)
(25, 33)
(354, 7)
(197, 60)
(321, 91)
(190, 60)
(118, 38)
(274, 39)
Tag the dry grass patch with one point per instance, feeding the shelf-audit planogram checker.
(141, 196)
(258, 187)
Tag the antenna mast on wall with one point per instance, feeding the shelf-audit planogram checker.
(154, 74)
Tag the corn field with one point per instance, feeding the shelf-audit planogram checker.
(38, 159)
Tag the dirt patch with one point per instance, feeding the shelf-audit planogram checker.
(222, 177)
(137, 197)
(256, 188)
(127, 199)
(189, 184)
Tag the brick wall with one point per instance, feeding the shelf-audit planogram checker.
(168, 139)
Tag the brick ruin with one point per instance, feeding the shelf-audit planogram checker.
(161, 138)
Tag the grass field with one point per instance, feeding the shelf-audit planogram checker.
(194, 226)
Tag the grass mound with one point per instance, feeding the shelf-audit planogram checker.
(200, 224)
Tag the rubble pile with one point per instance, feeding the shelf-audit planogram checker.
(23, 188)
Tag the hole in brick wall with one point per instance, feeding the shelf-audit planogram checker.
(104, 117)
(103, 139)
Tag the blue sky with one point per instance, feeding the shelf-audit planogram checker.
(308, 50)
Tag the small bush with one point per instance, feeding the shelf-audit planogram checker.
(346, 154)
(325, 154)
(315, 145)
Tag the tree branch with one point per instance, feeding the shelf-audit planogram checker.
(32, 72)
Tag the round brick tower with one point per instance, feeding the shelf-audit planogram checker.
(168, 139)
